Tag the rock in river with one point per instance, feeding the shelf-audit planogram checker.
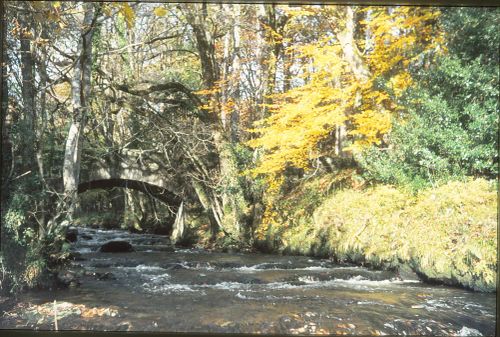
(71, 234)
(105, 276)
(67, 279)
(116, 247)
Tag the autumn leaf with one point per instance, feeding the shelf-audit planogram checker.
(160, 11)
(128, 13)
(106, 9)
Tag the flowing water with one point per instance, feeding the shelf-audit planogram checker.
(159, 288)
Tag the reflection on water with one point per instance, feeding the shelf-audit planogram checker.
(157, 288)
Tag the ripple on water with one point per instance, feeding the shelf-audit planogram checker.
(357, 282)
(466, 331)
(436, 304)
(244, 297)
(231, 286)
(168, 288)
(148, 268)
(374, 303)
(293, 283)
(264, 297)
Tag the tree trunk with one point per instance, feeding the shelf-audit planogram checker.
(6, 147)
(348, 43)
(270, 54)
(80, 100)
(178, 231)
(28, 96)
(235, 95)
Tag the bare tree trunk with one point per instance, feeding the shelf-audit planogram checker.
(6, 147)
(28, 96)
(236, 70)
(179, 225)
(130, 205)
(270, 54)
(347, 42)
(80, 100)
(41, 124)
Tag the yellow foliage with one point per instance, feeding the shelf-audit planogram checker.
(160, 11)
(127, 12)
(106, 9)
(207, 91)
(332, 95)
(303, 116)
(62, 90)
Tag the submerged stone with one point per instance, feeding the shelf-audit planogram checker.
(105, 276)
(67, 279)
(72, 235)
(116, 247)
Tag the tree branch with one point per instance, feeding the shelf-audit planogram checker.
(145, 89)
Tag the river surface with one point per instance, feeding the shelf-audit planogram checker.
(161, 288)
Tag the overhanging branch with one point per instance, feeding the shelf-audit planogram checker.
(145, 89)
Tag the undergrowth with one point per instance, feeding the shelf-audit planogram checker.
(447, 233)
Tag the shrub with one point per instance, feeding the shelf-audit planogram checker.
(449, 127)
(30, 250)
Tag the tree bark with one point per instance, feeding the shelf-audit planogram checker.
(6, 146)
(346, 37)
(80, 101)
(178, 231)
(28, 95)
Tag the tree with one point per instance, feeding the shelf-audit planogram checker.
(344, 98)
(80, 97)
(29, 247)
(229, 208)
(449, 128)
(343, 92)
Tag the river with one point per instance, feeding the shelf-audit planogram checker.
(161, 288)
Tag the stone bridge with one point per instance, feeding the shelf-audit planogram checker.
(134, 169)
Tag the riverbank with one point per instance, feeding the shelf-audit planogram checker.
(446, 234)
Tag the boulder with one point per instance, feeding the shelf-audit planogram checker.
(67, 279)
(71, 234)
(116, 247)
(406, 273)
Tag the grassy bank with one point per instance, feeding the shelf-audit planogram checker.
(447, 233)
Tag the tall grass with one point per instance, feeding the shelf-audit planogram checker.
(447, 233)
